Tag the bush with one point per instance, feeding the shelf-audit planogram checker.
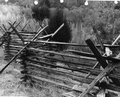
(40, 13)
(64, 34)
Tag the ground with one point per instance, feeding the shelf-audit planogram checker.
(10, 79)
(11, 86)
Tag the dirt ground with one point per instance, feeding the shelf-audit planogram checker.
(11, 86)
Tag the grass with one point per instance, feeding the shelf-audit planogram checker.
(10, 85)
(9, 13)
(10, 79)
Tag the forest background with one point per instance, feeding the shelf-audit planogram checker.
(104, 15)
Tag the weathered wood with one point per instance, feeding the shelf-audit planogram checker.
(74, 56)
(14, 36)
(93, 56)
(70, 62)
(104, 55)
(51, 67)
(55, 32)
(74, 44)
(16, 25)
(5, 29)
(107, 70)
(13, 24)
(72, 75)
(39, 38)
(21, 50)
(52, 77)
(98, 56)
(60, 43)
(81, 70)
(116, 40)
(109, 87)
(113, 87)
(27, 32)
(12, 51)
(2, 29)
(56, 53)
(13, 46)
(81, 53)
(44, 30)
(16, 32)
(84, 70)
(77, 64)
(16, 43)
(26, 40)
(53, 82)
(25, 25)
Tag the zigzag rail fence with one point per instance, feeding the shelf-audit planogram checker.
(45, 69)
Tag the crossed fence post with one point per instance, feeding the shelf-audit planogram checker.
(103, 55)
(22, 50)
(15, 30)
(107, 67)
(5, 30)
(28, 43)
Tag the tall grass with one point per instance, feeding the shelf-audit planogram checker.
(9, 13)
(12, 12)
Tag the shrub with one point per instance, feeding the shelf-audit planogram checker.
(39, 13)
(64, 34)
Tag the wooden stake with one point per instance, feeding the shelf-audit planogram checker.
(107, 70)
(22, 50)
(16, 32)
(103, 55)
(28, 43)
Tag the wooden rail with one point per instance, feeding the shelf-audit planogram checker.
(66, 68)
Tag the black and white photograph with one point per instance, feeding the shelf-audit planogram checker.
(59, 48)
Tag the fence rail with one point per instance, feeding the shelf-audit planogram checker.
(61, 68)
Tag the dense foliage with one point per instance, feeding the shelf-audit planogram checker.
(39, 13)
(104, 15)
(55, 21)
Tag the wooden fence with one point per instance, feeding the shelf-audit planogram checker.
(44, 65)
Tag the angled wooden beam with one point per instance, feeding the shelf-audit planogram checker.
(116, 40)
(15, 30)
(28, 43)
(13, 24)
(107, 70)
(81, 53)
(103, 55)
(114, 59)
(96, 53)
(44, 30)
(18, 24)
(7, 30)
(55, 32)
(34, 38)
(25, 26)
